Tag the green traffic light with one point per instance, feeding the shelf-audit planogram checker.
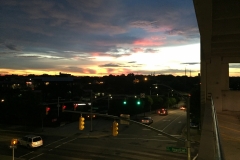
(124, 102)
(138, 102)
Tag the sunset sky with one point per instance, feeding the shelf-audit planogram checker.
(99, 37)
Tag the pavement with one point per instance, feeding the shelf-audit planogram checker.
(69, 129)
(228, 123)
(229, 129)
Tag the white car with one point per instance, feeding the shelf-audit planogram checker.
(30, 141)
(147, 120)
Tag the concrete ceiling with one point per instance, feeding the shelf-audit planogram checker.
(219, 26)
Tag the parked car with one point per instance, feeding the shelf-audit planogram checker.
(162, 111)
(194, 124)
(30, 141)
(147, 120)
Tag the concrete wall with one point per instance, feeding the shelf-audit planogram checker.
(217, 79)
(230, 100)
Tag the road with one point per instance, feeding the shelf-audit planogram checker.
(133, 141)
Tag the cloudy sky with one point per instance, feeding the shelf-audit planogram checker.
(99, 37)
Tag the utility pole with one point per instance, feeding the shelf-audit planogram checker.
(91, 110)
(188, 129)
(168, 100)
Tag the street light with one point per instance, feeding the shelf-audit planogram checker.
(13, 145)
(188, 144)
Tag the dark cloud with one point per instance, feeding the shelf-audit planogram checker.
(234, 65)
(52, 34)
(110, 65)
(132, 62)
(12, 47)
(191, 63)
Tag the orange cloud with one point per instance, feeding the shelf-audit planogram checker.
(148, 42)
(138, 50)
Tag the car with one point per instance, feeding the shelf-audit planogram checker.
(87, 116)
(162, 111)
(194, 124)
(182, 107)
(147, 120)
(31, 141)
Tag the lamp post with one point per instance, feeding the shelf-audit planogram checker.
(188, 129)
(188, 144)
(91, 110)
(168, 100)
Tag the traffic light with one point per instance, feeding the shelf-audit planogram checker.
(125, 102)
(115, 128)
(81, 123)
(138, 102)
(47, 110)
(14, 142)
(63, 108)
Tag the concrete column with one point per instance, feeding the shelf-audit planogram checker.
(217, 80)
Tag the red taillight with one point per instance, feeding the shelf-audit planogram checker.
(47, 109)
(63, 107)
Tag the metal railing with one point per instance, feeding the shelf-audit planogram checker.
(219, 152)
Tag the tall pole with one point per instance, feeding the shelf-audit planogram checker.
(91, 110)
(108, 102)
(188, 129)
(13, 152)
(42, 120)
(168, 100)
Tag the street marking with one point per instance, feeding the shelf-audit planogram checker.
(56, 141)
(176, 135)
(36, 156)
(167, 140)
(26, 154)
(170, 123)
(57, 146)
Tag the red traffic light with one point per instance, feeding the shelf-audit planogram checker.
(63, 108)
(47, 110)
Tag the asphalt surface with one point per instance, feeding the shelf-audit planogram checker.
(229, 128)
(69, 134)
